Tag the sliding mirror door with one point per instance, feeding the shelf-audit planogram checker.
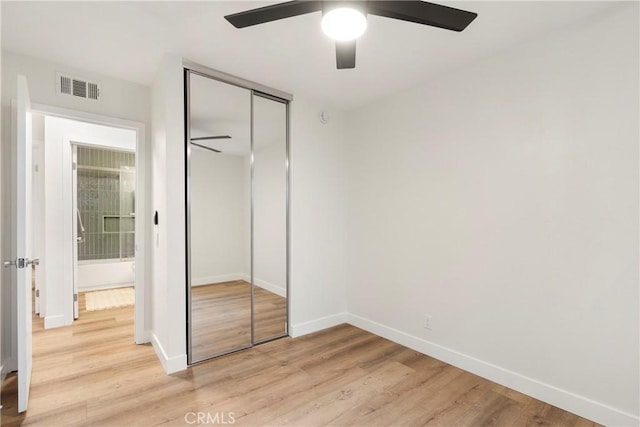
(237, 217)
(218, 217)
(269, 218)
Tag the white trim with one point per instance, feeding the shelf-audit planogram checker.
(169, 364)
(98, 119)
(211, 280)
(54, 321)
(141, 200)
(74, 227)
(104, 261)
(564, 399)
(317, 324)
(270, 287)
(103, 287)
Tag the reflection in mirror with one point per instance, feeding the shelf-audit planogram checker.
(219, 217)
(269, 218)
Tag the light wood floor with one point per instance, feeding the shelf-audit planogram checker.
(221, 317)
(91, 373)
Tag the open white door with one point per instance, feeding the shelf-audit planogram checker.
(23, 261)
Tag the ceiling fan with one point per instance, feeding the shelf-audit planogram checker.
(345, 21)
(196, 141)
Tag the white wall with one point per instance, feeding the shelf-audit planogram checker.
(120, 99)
(96, 275)
(502, 199)
(219, 226)
(318, 207)
(169, 265)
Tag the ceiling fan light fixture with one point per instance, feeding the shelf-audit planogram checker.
(344, 24)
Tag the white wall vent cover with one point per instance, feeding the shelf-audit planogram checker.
(79, 87)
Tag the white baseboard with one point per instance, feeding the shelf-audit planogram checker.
(564, 399)
(270, 287)
(317, 324)
(209, 280)
(103, 287)
(169, 364)
(54, 321)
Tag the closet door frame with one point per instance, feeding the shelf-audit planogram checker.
(255, 89)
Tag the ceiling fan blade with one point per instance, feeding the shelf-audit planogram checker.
(273, 12)
(205, 138)
(346, 54)
(422, 12)
(206, 148)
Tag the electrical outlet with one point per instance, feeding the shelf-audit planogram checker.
(427, 321)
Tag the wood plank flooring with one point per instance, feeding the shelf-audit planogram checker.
(221, 317)
(91, 373)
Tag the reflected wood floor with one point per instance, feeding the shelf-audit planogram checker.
(91, 373)
(221, 317)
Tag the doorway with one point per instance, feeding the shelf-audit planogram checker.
(103, 218)
(92, 176)
(44, 211)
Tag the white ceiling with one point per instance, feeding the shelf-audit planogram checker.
(128, 39)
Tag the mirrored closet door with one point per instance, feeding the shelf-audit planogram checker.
(237, 217)
(269, 218)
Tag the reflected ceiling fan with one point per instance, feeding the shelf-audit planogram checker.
(345, 21)
(195, 141)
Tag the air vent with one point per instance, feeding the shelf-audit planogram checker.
(78, 87)
(92, 90)
(65, 85)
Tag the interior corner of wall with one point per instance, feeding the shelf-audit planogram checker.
(315, 325)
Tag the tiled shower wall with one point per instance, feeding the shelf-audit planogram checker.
(106, 204)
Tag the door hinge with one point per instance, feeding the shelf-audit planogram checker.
(75, 297)
(74, 166)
